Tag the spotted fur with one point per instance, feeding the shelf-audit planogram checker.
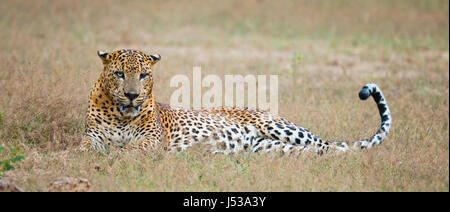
(123, 113)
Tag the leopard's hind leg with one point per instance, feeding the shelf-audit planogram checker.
(290, 136)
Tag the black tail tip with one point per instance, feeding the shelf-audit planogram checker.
(364, 93)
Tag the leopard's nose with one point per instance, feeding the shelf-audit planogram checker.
(131, 96)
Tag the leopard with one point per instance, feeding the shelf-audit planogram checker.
(122, 113)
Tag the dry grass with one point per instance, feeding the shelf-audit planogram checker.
(323, 51)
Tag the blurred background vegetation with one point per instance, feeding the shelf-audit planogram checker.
(322, 50)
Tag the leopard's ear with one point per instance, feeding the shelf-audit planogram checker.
(103, 56)
(155, 58)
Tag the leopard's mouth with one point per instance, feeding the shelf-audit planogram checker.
(130, 110)
(124, 108)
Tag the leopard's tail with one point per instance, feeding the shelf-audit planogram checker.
(373, 90)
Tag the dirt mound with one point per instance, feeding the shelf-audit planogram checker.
(70, 184)
(6, 186)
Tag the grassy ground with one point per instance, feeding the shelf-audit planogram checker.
(323, 52)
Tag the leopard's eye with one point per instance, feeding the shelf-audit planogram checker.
(143, 76)
(120, 74)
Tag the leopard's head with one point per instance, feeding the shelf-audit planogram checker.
(127, 78)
